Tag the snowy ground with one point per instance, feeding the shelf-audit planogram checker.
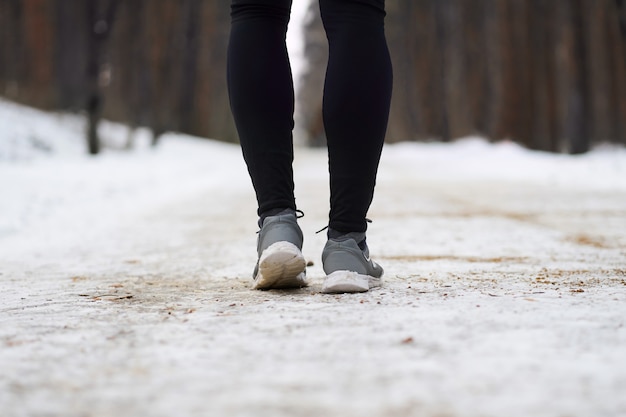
(125, 284)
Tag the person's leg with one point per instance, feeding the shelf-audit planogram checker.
(262, 102)
(261, 94)
(357, 95)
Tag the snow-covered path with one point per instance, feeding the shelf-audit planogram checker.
(125, 288)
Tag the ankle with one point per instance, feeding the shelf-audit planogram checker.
(281, 211)
(358, 237)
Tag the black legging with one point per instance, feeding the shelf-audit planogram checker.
(357, 94)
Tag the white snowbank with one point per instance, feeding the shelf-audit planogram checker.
(53, 191)
(474, 158)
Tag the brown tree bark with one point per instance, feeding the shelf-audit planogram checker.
(548, 74)
(100, 18)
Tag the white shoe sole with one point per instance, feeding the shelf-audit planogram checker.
(349, 282)
(281, 265)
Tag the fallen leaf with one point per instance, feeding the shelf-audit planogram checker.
(78, 278)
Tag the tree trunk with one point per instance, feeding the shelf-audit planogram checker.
(100, 17)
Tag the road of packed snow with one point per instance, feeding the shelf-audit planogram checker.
(125, 283)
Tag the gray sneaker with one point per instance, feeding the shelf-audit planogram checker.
(348, 268)
(279, 246)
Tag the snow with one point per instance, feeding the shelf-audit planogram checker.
(125, 283)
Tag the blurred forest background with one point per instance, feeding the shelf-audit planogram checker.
(549, 74)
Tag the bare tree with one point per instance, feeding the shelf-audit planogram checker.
(548, 74)
(100, 17)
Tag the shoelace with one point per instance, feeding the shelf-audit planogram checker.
(326, 227)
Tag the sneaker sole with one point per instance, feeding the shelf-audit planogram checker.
(349, 282)
(281, 266)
